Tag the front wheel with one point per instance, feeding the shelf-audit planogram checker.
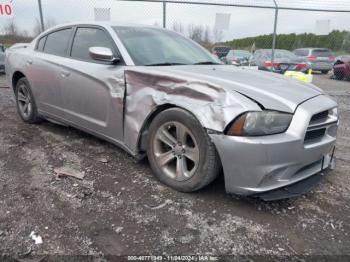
(180, 151)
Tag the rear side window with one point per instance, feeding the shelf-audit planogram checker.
(89, 37)
(57, 42)
(321, 52)
(301, 52)
(41, 43)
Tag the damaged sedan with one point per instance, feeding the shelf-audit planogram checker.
(155, 93)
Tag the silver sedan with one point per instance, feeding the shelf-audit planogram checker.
(154, 92)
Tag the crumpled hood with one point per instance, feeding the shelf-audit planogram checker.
(271, 90)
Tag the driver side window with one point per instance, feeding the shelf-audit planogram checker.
(89, 37)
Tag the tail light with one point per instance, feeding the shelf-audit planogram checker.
(331, 57)
(269, 65)
(300, 66)
(311, 57)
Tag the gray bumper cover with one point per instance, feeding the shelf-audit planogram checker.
(255, 165)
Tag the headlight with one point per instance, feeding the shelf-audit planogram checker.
(260, 124)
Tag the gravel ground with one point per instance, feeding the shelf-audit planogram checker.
(119, 208)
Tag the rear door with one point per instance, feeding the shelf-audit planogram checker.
(44, 69)
(93, 91)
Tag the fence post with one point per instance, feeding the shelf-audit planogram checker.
(41, 16)
(164, 14)
(274, 36)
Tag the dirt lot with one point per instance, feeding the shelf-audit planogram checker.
(119, 208)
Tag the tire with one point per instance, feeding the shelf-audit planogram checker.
(199, 159)
(325, 72)
(25, 99)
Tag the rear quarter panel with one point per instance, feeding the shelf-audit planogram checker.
(15, 60)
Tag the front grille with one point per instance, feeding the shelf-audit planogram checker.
(314, 134)
(320, 117)
(318, 126)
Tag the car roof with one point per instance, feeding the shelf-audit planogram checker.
(94, 23)
(105, 24)
(313, 48)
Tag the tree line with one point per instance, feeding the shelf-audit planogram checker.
(336, 41)
(11, 33)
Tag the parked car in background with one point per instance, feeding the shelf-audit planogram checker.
(321, 59)
(284, 60)
(341, 67)
(154, 92)
(2, 59)
(237, 57)
(220, 51)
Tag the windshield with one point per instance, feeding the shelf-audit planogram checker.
(152, 46)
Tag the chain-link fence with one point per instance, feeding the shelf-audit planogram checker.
(240, 24)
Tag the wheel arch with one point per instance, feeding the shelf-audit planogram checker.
(143, 135)
(17, 75)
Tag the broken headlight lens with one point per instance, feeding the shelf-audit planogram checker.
(260, 123)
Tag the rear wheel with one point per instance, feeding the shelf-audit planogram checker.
(25, 102)
(180, 151)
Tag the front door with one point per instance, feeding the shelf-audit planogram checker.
(92, 91)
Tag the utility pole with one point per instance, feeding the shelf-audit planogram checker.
(164, 14)
(274, 36)
(41, 16)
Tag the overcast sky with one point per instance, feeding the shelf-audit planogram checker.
(244, 21)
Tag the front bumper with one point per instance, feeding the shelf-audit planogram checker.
(255, 165)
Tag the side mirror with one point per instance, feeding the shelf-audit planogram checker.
(103, 54)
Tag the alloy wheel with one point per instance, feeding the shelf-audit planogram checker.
(24, 101)
(176, 151)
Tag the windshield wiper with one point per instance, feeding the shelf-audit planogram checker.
(207, 63)
(165, 64)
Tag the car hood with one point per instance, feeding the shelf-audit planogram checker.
(270, 90)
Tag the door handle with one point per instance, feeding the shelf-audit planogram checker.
(65, 74)
(29, 62)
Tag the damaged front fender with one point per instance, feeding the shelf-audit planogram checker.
(147, 90)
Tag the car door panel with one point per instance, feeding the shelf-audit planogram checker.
(43, 71)
(93, 91)
(93, 97)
